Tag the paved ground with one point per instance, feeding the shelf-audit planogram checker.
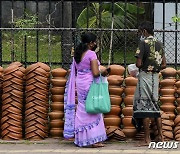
(51, 146)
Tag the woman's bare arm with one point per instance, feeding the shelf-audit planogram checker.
(95, 69)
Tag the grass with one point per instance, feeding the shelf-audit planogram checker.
(118, 57)
(46, 52)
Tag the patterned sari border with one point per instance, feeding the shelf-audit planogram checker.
(91, 141)
(88, 126)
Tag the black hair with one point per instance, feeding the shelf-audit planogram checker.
(148, 26)
(83, 46)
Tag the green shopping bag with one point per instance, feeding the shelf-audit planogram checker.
(98, 100)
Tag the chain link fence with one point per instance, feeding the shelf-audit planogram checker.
(44, 38)
(54, 46)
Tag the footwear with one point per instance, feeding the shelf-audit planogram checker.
(98, 145)
(140, 144)
(159, 139)
(70, 139)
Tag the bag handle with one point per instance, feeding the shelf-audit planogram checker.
(100, 76)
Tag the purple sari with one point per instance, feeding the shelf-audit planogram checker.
(87, 128)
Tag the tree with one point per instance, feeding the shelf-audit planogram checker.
(108, 15)
(103, 13)
(29, 22)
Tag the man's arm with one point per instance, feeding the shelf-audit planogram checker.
(138, 62)
(163, 64)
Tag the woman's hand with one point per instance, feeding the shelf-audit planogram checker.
(106, 71)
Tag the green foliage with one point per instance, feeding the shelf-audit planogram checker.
(17, 41)
(118, 57)
(31, 48)
(29, 21)
(103, 12)
(100, 15)
(176, 19)
(14, 42)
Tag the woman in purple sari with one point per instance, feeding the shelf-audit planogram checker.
(87, 129)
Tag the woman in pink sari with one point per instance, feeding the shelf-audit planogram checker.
(87, 129)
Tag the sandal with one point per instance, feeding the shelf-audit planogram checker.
(142, 144)
(70, 139)
(98, 145)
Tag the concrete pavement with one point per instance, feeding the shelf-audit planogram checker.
(51, 146)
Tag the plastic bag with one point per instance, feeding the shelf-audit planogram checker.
(133, 70)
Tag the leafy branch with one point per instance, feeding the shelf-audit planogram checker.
(176, 19)
(18, 37)
(30, 21)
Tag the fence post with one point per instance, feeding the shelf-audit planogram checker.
(0, 33)
(67, 39)
(176, 36)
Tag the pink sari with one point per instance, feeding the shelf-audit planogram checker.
(88, 128)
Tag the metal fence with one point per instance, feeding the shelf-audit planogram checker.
(49, 35)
